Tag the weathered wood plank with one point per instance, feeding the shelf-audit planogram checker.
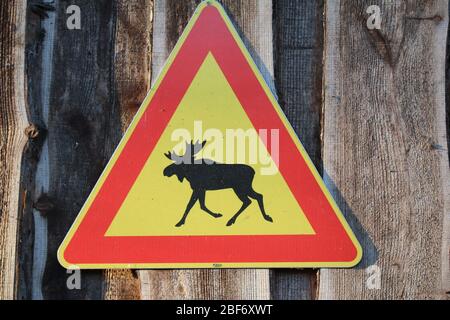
(72, 102)
(83, 129)
(133, 55)
(298, 47)
(41, 203)
(132, 70)
(446, 130)
(447, 85)
(298, 68)
(122, 285)
(37, 47)
(171, 17)
(384, 146)
(13, 122)
(447, 77)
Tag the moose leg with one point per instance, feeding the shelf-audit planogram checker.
(201, 198)
(245, 203)
(259, 197)
(190, 204)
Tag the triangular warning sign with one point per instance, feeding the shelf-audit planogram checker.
(210, 174)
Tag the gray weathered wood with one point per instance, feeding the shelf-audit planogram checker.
(447, 100)
(446, 130)
(384, 146)
(13, 122)
(171, 17)
(298, 46)
(71, 100)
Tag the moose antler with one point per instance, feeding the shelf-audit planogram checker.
(174, 157)
(191, 150)
(194, 147)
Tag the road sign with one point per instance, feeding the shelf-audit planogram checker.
(210, 174)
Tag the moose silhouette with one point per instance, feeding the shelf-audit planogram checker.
(205, 174)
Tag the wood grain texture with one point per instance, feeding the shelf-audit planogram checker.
(13, 122)
(83, 130)
(384, 146)
(132, 58)
(42, 203)
(171, 17)
(39, 48)
(71, 100)
(447, 86)
(446, 130)
(122, 285)
(132, 72)
(298, 47)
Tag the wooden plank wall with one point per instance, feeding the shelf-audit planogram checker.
(298, 34)
(384, 153)
(13, 123)
(72, 100)
(447, 85)
(372, 117)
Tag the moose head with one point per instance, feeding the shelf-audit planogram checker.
(182, 164)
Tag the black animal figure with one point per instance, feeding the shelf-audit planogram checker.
(204, 175)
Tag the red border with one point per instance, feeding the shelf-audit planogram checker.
(89, 245)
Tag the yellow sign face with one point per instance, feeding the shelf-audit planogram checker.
(210, 174)
(149, 208)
